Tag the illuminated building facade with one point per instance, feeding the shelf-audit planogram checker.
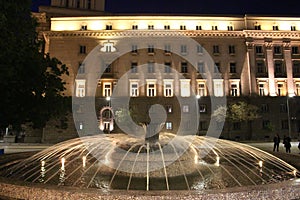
(256, 59)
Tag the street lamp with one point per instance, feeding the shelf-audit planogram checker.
(108, 100)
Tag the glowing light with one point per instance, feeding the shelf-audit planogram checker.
(43, 163)
(198, 96)
(84, 161)
(260, 163)
(63, 160)
(218, 161)
(108, 98)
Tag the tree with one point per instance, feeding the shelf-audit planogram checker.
(30, 81)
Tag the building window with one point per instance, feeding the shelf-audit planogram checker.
(279, 67)
(293, 28)
(133, 67)
(258, 49)
(83, 27)
(264, 108)
(232, 68)
(266, 124)
(284, 124)
(295, 50)
(218, 87)
(257, 27)
(80, 88)
(201, 68)
(183, 49)
(234, 89)
(231, 49)
(169, 125)
(230, 28)
(237, 126)
(185, 108)
(108, 68)
(167, 27)
(150, 27)
(202, 108)
(89, 4)
(275, 28)
(214, 28)
(167, 48)
(217, 68)
(150, 48)
(201, 89)
(184, 67)
(261, 89)
(182, 27)
(199, 49)
(185, 87)
(167, 67)
(296, 67)
(107, 89)
(151, 89)
(108, 27)
(169, 108)
(134, 89)
(280, 89)
(81, 68)
(260, 67)
(283, 108)
(277, 50)
(77, 3)
(82, 49)
(198, 28)
(134, 48)
(168, 88)
(134, 27)
(151, 68)
(216, 49)
(203, 125)
(80, 126)
(298, 89)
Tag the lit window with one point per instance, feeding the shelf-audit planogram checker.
(185, 87)
(80, 126)
(168, 88)
(108, 47)
(134, 89)
(80, 88)
(218, 87)
(262, 89)
(298, 89)
(185, 108)
(151, 88)
(169, 125)
(201, 89)
(234, 90)
(107, 89)
(168, 67)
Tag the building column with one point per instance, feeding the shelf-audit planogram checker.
(251, 71)
(271, 71)
(289, 68)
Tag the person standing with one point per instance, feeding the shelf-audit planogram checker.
(287, 144)
(276, 141)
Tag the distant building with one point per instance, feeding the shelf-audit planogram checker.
(256, 59)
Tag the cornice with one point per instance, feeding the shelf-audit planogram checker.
(272, 34)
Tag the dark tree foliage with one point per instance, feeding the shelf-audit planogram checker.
(31, 88)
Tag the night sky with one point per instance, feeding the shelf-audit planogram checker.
(235, 7)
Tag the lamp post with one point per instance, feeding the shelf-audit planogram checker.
(288, 114)
(108, 100)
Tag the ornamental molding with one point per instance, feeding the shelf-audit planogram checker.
(272, 34)
(116, 34)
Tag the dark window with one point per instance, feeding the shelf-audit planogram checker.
(203, 125)
(169, 108)
(184, 67)
(108, 27)
(295, 50)
(296, 67)
(231, 49)
(182, 27)
(198, 28)
(232, 68)
(167, 67)
(88, 4)
(82, 49)
(134, 67)
(293, 28)
(199, 49)
(81, 68)
(275, 28)
(150, 27)
(134, 49)
(257, 27)
(284, 124)
(150, 48)
(264, 108)
(167, 27)
(77, 3)
(134, 27)
(283, 108)
(277, 50)
(230, 28)
(265, 124)
(84, 27)
(258, 49)
(260, 67)
(279, 67)
(108, 68)
(216, 49)
(217, 68)
(237, 126)
(202, 108)
(214, 28)
(201, 68)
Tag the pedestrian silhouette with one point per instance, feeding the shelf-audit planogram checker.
(276, 142)
(287, 144)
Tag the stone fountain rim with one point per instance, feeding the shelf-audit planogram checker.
(24, 190)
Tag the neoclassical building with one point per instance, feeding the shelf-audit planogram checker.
(243, 58)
